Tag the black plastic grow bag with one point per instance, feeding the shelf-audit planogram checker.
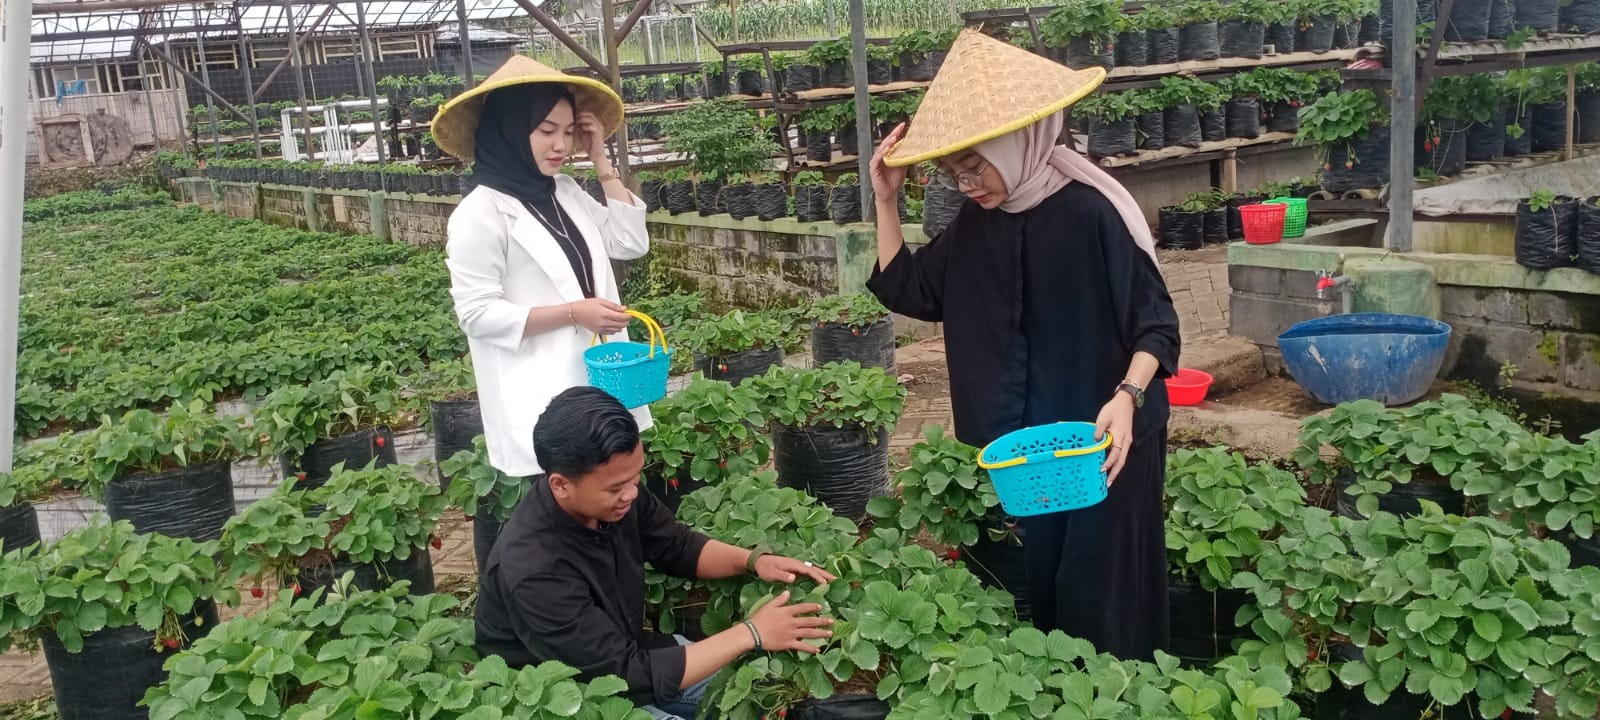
(872, 346)
(1487, 140)
(1213, 125)
(19, 527)
(1152, 130)
(376, 575)
(108, 678)
(678, 197)
(1549, 132)
(1165, 46)
(1540, 16)
(843, 468)
(740, 366)
(1547, 239)
(1214, 226)
(1358, 164)
(844, 204)
(1581, 17)
(939, 208)
(1522, 143)
(708, 197)
(1202, 621)
(192, 502)
(1199, 41)
(355, 450)
(811, 203)
(1281, 37)
(1405, 499)
(1108, 139)
(1238, 38)
(1132, 49)
(1181, 230)
(1181, 124)
(1243, 118)
(1446, 152)
(1281, 117)
(1468, 21)
(456, 423)
(1316, 36)
(840, 707)
(1500, 18)
(1087, 52)
(1588, 235)
(1588, 116)
(1002, 564)
(737, 197)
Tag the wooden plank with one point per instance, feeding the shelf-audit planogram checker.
(1203, 67)
(784, 45)
(1220, 147)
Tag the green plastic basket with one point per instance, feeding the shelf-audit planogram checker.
(1294, 218)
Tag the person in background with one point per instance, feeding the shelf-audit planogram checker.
(529, 251)
(1053, 310)
(566, 578)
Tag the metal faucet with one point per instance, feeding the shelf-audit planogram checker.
(1326, 281)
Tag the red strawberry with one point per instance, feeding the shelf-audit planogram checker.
(1312, 654)
(1327, 167)
(674, 483)
(300, 476)
(256, 593)
(1427, 147)
(953, 554)
(295, 589)
(380, 441)
(1349, 165)
(171, 643)
(822, 326)
(722, 465)
(722, 368)
(1506, 715)
(1436, 139)
(436, 542)
(855, 332)
(783, 713)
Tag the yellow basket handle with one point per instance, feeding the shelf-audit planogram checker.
(653, 328)
(1013, 462)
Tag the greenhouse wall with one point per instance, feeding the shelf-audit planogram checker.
(744, 263)
(1530, 334)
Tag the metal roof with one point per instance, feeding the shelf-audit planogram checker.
(73, 31)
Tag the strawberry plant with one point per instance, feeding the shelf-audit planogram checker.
(1109, 106)
(828, 51)
(474, 480)
(1220, 512)
(836, 394)
(292, 418)
(1341, 117)
(365, 515)
(943, 491)
(1378, 448)
(1096, 21)
(143, 441)
(104, 575)
(706, 431)
(858, 310)
(735, 331)
(24, 484)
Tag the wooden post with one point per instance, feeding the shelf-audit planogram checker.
(858, 66)
(1572, 107)
(299, 78)
(1402, 124)
(608, 34)
(249, 93)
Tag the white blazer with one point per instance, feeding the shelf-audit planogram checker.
(503, 262)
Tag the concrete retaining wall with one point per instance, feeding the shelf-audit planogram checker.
(1532, 335)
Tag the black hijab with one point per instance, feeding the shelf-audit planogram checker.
(503, 160)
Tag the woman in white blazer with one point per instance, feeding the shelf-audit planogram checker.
(529, 250)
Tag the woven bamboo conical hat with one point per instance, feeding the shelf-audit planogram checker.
(456, 123)
(985, 89)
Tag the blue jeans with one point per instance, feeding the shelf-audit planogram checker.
(689, 704)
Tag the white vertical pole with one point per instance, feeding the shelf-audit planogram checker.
(15, 37)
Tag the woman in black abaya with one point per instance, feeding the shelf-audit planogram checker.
(1053, 310)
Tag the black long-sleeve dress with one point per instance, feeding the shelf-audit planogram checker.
(1043, 311)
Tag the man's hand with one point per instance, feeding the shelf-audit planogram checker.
(787, 627)
(779, 569)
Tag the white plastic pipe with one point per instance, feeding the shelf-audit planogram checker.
(15, 36)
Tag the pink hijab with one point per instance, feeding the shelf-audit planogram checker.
(1035, 167)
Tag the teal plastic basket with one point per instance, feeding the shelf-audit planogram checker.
(1048, 468)
(633, 373)
(1294, 217)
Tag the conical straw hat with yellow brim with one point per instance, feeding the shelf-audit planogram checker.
(985, 89)
(456, 123)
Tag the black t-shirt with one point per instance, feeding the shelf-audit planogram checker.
(554, 589)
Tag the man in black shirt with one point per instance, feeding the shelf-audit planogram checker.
(565, 580)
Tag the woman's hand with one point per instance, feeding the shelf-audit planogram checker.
(591, 138)
(599, 316)
(887, 181)
(1116, 418)
(787, 627)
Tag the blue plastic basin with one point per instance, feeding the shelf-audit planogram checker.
(1375, 356)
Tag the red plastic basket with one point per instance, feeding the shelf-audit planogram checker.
(1263, 224)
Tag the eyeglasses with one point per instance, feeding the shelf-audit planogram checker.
(968, 180)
